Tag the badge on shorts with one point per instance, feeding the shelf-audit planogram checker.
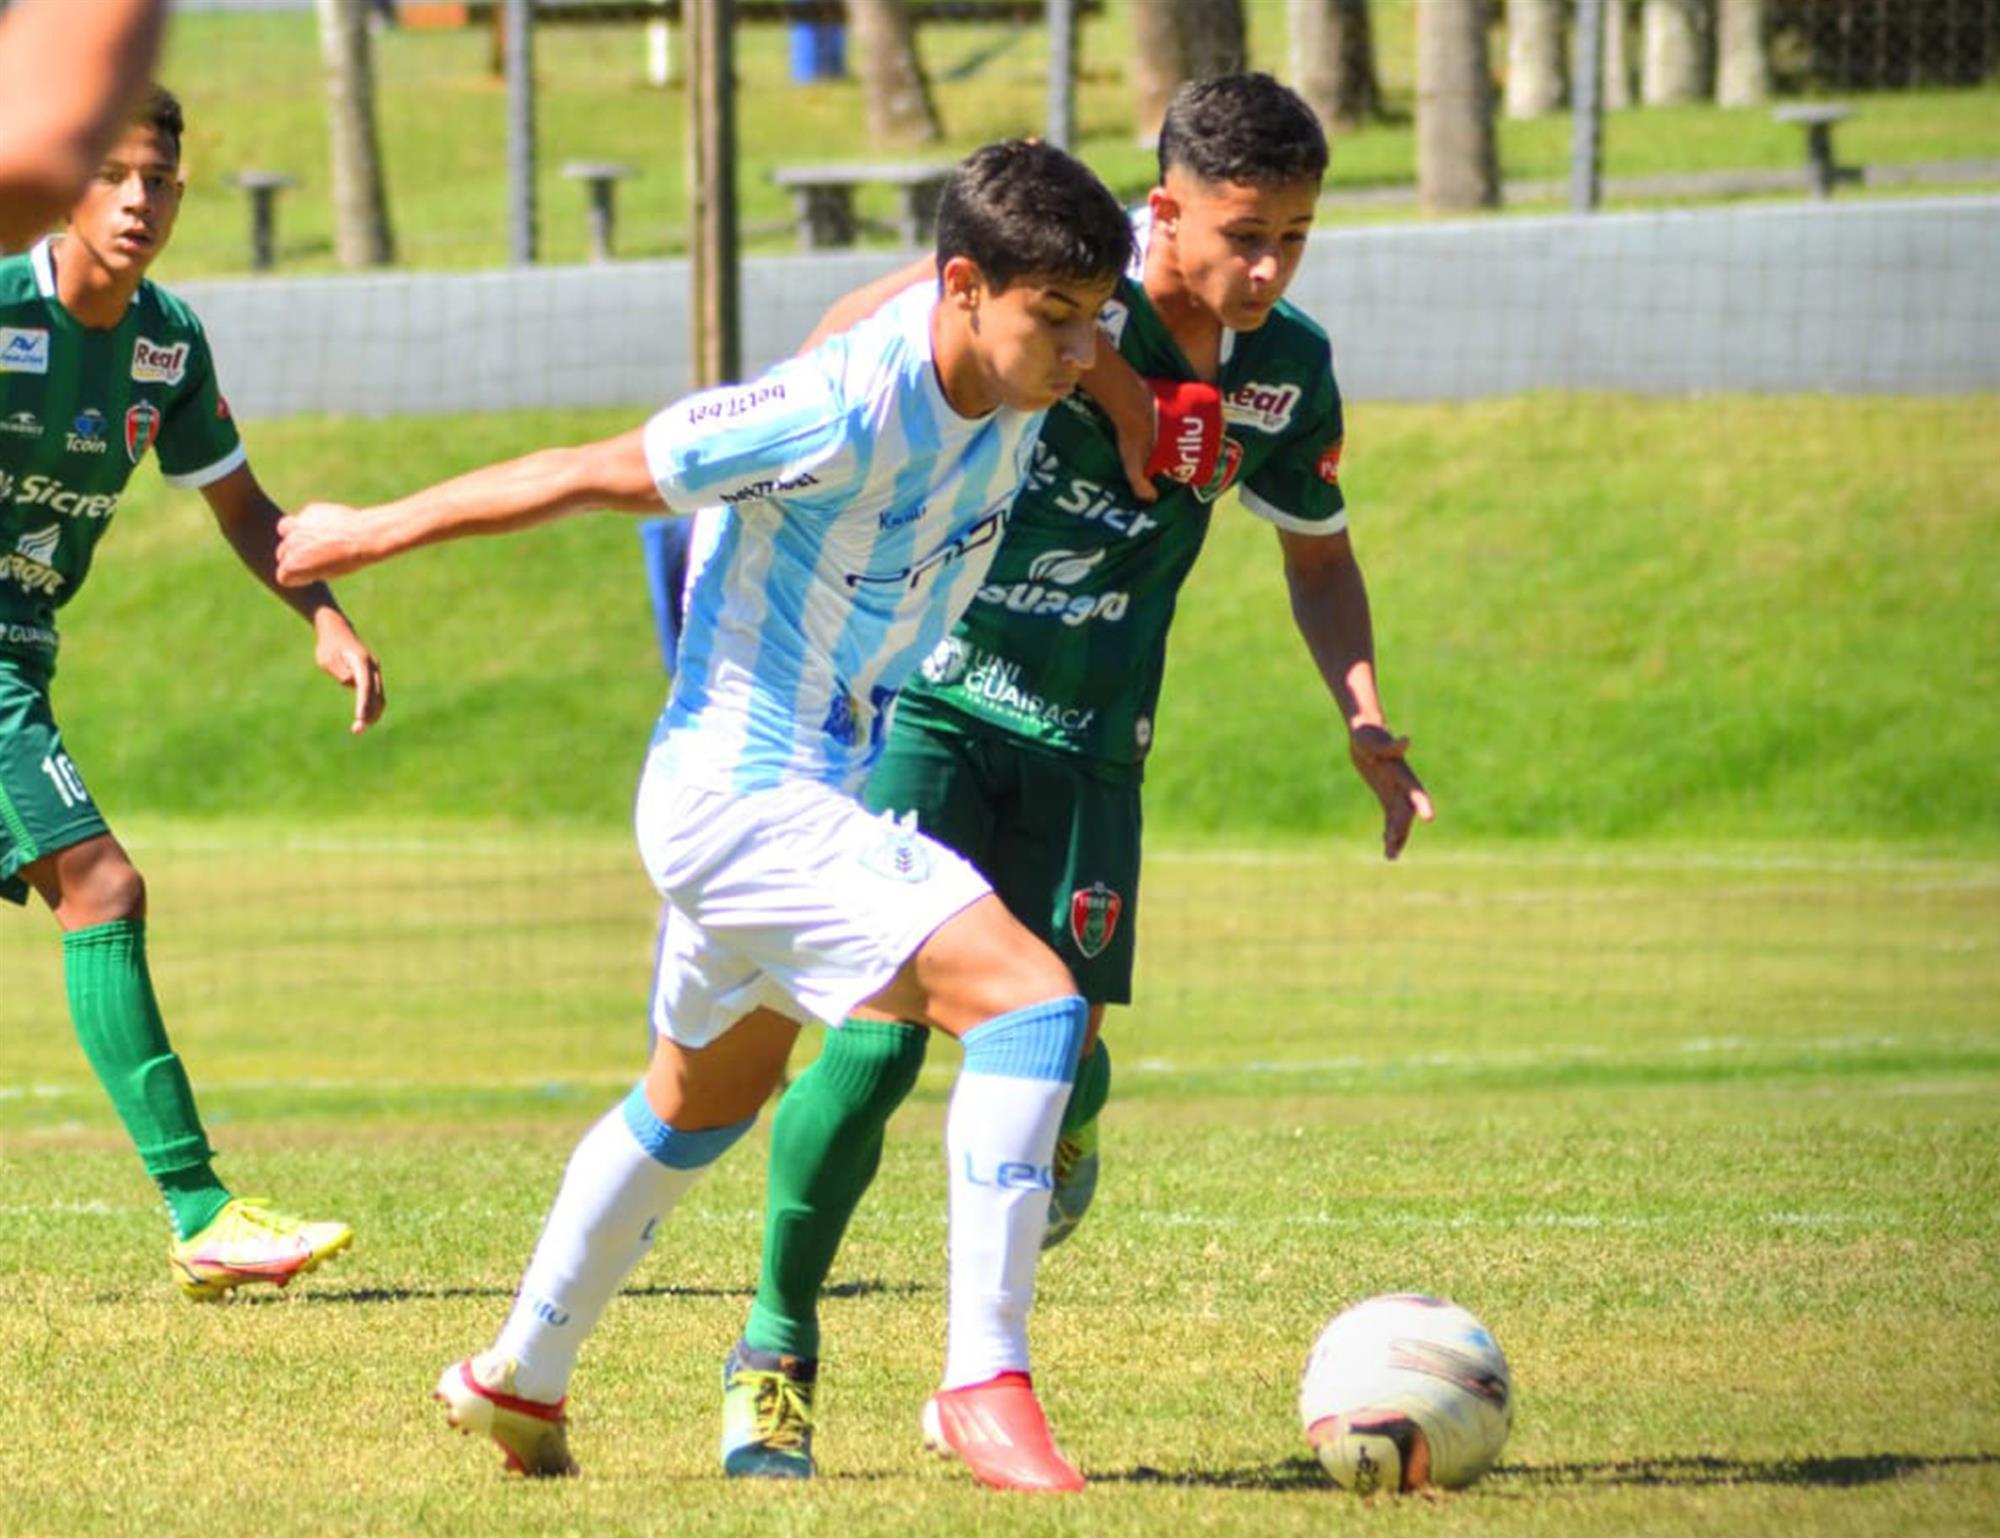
(1093, 917)
(901, 856)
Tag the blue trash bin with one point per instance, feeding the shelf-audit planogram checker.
(819, 51)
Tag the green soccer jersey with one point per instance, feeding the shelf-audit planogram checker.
(79, 408)
(1065, 644)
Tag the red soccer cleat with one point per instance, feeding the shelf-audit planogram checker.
(997, 1428)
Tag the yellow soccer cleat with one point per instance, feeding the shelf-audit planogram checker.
(478, 1397)
(251, 1241)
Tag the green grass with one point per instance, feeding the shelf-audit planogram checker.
(1722, 618)
(255, 98)
(1709, 1134)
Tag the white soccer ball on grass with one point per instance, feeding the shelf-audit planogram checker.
(1405, 1391)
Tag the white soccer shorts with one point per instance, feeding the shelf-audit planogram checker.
(796, 899)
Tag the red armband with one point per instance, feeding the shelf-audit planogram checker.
(1187, 441)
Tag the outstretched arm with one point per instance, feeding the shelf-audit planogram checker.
(249, 521)
(1330, 608)
(855, 306)
(326, 539)
(68, 71)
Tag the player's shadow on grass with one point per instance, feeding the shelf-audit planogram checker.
(366, 1295)
(1520, 1479)
(1836, 1472)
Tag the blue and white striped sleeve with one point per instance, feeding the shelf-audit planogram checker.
(783, 436)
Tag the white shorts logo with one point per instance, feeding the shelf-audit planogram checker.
(155, 364)
(24, 350)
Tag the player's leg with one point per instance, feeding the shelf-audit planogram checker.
(53, 839)
(1066, 859)
(827, 1134)
(983, 977)
(624, 1181)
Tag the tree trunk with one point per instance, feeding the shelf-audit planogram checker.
(1534, 57)
(1458, 164)
(1174, 41)
(892, 80)
(1617, 56)
(362, 237)
(1742, 53)
(1675, 68)
(1333, 60)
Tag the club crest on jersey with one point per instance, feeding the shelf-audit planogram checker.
(142, 427)
(155, 364)
(1225, 471)
(24, 350)
(1093, 917)
(1329, 462)
(1266, 407)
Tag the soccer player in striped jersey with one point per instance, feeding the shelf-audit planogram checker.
(99, 367)
(855, 497)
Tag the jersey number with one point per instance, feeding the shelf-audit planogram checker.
(62, 774)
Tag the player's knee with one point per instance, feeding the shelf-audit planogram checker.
(100, 886)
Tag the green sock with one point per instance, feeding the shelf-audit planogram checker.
(118, 1021)
(826, 1143)
(1091, 1090)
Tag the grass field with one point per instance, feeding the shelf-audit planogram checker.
(1709, 1135)
(254, 93)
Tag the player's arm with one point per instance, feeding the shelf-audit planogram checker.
(326, 539)
(1170, 427)
(855, 306)
(1330, 607)
(249, 520)
(68, 71)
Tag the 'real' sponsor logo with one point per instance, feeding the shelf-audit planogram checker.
(47, 491)
(21, 424)
(955, 549)
(24, 350)
(724, 407)
(86, 434)
(757, 491)
(155, 364)
(27, 564)
(1266, 407)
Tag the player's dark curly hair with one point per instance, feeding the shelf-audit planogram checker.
(1022, 208)
(160, 110)
(1242, 128)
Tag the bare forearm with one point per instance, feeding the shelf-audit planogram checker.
(1330, 609)
(499, 499)
(253, 535)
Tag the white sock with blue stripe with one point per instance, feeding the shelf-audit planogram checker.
(1000, 1138)
(625, 1177)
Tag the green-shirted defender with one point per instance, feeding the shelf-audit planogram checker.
(97, 367)
(1024, 744)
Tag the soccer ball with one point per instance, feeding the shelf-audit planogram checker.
(1404, 1391)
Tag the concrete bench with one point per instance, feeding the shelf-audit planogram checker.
(600, 178)
(263, 188)
(823, 200)
(1818, 120)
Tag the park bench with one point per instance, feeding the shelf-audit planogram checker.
(823, 200)
(1818, 120)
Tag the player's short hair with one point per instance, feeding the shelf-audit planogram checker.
(160, 110)
(1022, 208)
(1245, 128)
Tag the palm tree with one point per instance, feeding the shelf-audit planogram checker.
(1534, 57)
(362, 237)
(1174, 41)
(1333, 60)
(900, 110)
(1675, 66)
(1743, 53)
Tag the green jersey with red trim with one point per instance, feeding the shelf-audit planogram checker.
(1065, 645)
(79, 408)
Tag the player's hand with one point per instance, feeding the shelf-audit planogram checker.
(1380, 759)
(319, 541)
(345, 658)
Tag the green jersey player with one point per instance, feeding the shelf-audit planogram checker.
(1024, 745)
(97, 367)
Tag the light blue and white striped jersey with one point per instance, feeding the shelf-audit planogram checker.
(848, 517)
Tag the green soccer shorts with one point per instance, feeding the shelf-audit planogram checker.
(43, 803)
(1059, 845)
